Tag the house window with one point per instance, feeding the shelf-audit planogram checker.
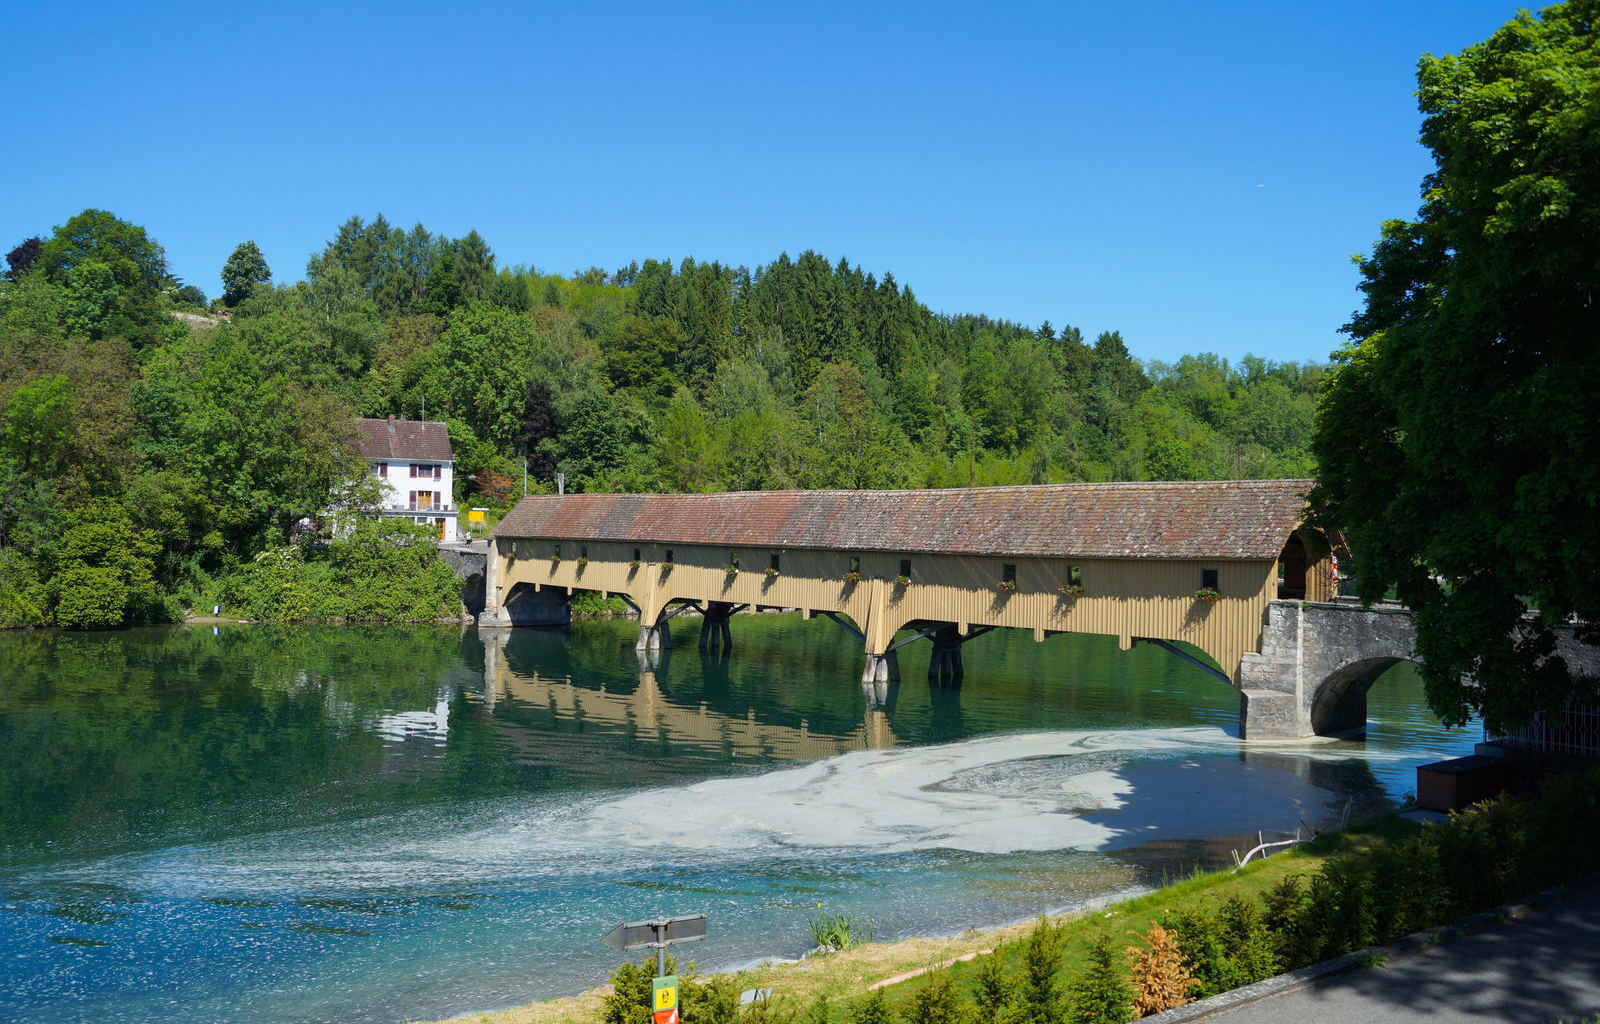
(1008, 572)
(1075, 575)
(438, 472)
(383, 469)
(413, 500)
(1208, 578)
(413, 470)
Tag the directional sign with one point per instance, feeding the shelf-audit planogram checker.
(662, 931)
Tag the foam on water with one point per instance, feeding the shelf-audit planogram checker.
(1063, 790)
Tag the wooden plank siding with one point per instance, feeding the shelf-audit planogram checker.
(1126, 597)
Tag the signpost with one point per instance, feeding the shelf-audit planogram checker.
(658, 934)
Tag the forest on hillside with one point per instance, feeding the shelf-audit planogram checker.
(157, 448)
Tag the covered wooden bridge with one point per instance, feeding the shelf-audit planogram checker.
(1189, 562)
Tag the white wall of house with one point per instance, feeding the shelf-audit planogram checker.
(422, 491)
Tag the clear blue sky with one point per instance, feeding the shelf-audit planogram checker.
(1195, 175)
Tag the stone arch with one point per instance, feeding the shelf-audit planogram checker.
(1339, 702)
(473, 595)
(1316, 663)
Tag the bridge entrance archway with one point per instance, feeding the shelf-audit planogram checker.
(1293, 564)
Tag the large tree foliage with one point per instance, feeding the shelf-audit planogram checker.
(113, 274)
(1458, 443)
(245, 271)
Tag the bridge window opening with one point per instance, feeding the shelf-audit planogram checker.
(635, 554)
(905, 567)
(733, 560)
(583, 552)
(669, 556)
(1008, 573)
(1208, 578)
(555, 551)
(1075, 575)
(774, 562)
(855, 564)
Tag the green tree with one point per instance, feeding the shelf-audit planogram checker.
(114, 272)
(1103, 992)
(937, 1002)
(106, 572)
(245, 271)
(480, 370)
(1459, 443)
(1041, 995)
(38, 425)
(992, 989)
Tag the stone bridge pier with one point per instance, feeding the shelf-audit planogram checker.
(1316, 664)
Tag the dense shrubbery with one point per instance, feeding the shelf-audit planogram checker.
(385, 570)
(1481, 858)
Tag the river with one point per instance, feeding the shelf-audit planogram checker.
(344, 824)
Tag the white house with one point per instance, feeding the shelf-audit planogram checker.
(418, 468)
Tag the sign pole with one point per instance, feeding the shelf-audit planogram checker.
(658, 934)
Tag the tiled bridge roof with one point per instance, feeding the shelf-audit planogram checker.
(1231, 519)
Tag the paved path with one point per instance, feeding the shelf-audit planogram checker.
(1539, 968)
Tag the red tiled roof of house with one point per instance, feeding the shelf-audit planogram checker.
(393, 440)
(1214, 519)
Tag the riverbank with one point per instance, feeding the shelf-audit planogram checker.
(842, 977)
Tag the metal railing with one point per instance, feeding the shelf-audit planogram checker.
(1575, 731)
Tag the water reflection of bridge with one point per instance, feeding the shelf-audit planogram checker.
(646, 715)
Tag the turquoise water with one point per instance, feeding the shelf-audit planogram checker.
(367, 825)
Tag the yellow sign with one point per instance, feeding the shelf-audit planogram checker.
(475, 516)
(666, 993)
